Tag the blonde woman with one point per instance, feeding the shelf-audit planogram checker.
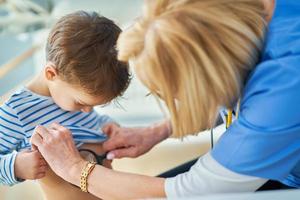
(199, 55)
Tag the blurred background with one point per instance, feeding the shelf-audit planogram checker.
(24, 25)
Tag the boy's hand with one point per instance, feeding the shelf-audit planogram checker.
(30, 164)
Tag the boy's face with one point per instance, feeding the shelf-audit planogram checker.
(70, 97)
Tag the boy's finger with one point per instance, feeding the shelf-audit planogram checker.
(33, 147)
(40, 175)
(42, 169)
(43, 163)
(26, 151)
(37, 154)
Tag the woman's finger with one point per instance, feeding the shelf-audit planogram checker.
(43, 132)
(114, 143)
(53, 126)
(58, 127)
(123, 152)
(36, 140)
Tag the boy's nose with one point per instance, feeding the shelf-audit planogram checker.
(87, 109)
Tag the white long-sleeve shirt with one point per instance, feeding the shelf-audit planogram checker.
(207, 176)
(24, 111)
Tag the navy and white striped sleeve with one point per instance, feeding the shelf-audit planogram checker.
(11, 134)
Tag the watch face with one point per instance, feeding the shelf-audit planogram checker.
(87, 155)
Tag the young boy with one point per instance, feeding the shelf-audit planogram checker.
(82, 71)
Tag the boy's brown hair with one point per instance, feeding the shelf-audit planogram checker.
(81, 45)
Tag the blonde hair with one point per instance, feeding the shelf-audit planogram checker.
(198, 52)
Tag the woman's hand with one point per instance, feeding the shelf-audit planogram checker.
(58, 149)
(133, 142)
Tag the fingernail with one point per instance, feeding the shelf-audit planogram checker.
(110, 156)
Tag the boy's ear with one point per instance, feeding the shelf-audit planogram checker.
(50, 71)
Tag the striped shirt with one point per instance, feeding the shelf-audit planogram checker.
(24, 111)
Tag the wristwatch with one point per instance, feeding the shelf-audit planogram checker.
(91, 156)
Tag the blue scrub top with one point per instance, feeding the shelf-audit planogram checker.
(265, 140)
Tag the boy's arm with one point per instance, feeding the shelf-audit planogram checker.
(7, 175)
(11, 133)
